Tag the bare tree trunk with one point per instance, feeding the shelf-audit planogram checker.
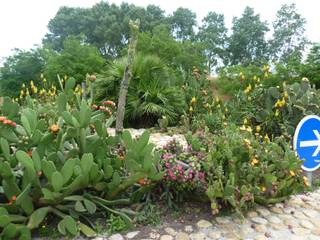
(134, 26)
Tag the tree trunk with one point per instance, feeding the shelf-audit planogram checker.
(134, 26)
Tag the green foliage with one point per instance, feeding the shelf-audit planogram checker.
(311, 69)
(20, 68)
(247, 43)
(151, 94)
(277, 110)
(242, 170)
(63, 167)
(115, 224)
(76, 60)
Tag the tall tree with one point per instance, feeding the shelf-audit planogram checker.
(20, 68)
(213, 34)
(182, 24)
(289, 41)
(311, 68)
(247, 43)
(75, 60)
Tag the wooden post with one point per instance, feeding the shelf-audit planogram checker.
(134, 27)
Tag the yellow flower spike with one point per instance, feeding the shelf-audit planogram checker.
(27, 92)
(277, 113)
(254, 78)
(249, 129)
(226, 110)
(258, 128)
(44, 80)
(248, 89)
(193, 100)
(285, 95)
(266, 138)
(258, 80)
(217, 99)
(243, 128)
(247, 141)
(249, 99)
(191, 109)
(225, 124)
(263, 189)
(23, 85)
(254, 161)
(41, 76)
(245, 121)
(292, 173)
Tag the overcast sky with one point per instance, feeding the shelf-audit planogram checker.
(23, 23)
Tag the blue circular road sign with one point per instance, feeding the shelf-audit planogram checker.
(306, 142)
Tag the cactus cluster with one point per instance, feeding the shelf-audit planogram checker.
(277, 110)
(243, 169)
(57, 159)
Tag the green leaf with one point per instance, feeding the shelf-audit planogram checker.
(85, 115)
(67, 169)
(126, 136)
(62, 102)
(10, 231)
(57, 181)
(79, 207)
(26, 162)
(37, 217)
(4, 220)
(24, 194)
(90, 206)
(26, 124)
(70, 225)
(70, 84)
(48, 168)
(86, 162)
(5, 148)
(87, 231)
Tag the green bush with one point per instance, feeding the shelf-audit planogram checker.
(242, 170)
(57, 159)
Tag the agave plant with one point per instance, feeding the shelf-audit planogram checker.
(152, 90)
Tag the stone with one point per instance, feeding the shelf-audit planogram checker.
(182, 236)
(154, 235)
(278, 226)
(252, 214)
(96, 238)
(170, 231)
(259, 220)
(166, 237)
(214, 234)
(197, 236)
(260, 228)
(130, 235)
(263, 212)
(274, 219)
(204, 224)
(260, 237)
(246, 230)
(300, 215)
(291, 223)
(222, 220)
(306, 224)
(276, 210)
(300, 231)
(188, 228)
(311, 213)
(316, 231)
(116, 237)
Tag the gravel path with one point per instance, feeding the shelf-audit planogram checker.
(298, 219)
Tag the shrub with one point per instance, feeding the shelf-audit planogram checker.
(58, 160)
(243, 169)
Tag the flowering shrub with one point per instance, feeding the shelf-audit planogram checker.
(183, 170)
(243, 169)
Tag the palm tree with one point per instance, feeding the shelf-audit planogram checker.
(152, 93)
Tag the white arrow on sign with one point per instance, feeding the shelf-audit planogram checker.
(313, 143)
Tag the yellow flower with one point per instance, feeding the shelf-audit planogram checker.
(285, 94)
(263, 189)
(306, 182)
(191, 109)
(248, 89)
(245, 121)
(206, 105)
(277, 113)
(217, 99)
(254, 161)
(249, 129)
(243, 128)
(258, 128)
(44, 80)
(23, 85)
(266, 138)
(292, 173)
(193, 100)
(254, 78)
(247, 141)
(280, 103)
(225, 124)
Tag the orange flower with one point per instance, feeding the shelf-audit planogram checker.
(7, 122)
(14, 197)
(54, 128)
(29, 153)
(121, 157)
(2, 118)
(142, 181)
